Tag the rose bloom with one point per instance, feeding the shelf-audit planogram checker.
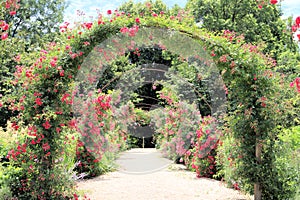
(4, 36)
(298, 21)
(273, 2)
(12, 13)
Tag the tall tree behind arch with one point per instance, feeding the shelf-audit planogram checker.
(36, 19)
(257, 24)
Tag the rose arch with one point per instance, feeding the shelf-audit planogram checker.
(59, 90)
(97, 62)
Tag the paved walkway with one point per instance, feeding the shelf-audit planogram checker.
(142, 161)
(145, 175)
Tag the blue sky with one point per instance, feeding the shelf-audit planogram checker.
(291, 7)
(89, 7)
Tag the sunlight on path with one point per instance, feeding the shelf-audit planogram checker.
(141, 161)
(135, 182)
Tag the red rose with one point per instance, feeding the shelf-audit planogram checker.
(294, 28)
(273, 2)
(5, 27)
(12, 13)
(46, 125)
(298, 21)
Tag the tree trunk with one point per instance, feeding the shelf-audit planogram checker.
(257, 191)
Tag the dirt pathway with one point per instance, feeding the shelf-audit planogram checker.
(145, 175)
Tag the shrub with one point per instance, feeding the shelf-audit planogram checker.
(201, 156)
(226, 165)
(87, 165)
(19, 175)
(175, 136)
(285, 184)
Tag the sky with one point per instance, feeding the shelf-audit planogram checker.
(89, 7)
(291, 7)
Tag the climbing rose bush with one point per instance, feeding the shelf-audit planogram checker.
(183, 135)
(10, 7)
(175, 125)
(296, 84)
(92, 159)
(201, 156)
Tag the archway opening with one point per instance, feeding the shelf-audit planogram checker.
(147, 99)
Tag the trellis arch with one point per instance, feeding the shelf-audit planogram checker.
(244, 71)
(173, 41)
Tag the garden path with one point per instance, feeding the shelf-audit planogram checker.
(144, 174)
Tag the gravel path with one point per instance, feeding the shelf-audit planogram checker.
(144, 175)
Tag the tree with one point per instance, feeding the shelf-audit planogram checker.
(258, 24)
(143, 8)
(36, 19)
(156, 8)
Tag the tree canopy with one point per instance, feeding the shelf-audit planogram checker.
(36, 21)
(258, 24)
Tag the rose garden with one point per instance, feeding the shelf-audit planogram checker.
(215, 95)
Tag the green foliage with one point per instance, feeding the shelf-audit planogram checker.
(257, 25)
(87, 165)
(113, 72)
(285, 169)
(288, 63)
(132, 142)
(142, 117)
(6, 179)
(291, 138)
(226, 155)
(8, 173)
(9, 182)
(37, 21)
(11, 49)
(158, 7)
(5, 139)
(18, 178)
(144, 8)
